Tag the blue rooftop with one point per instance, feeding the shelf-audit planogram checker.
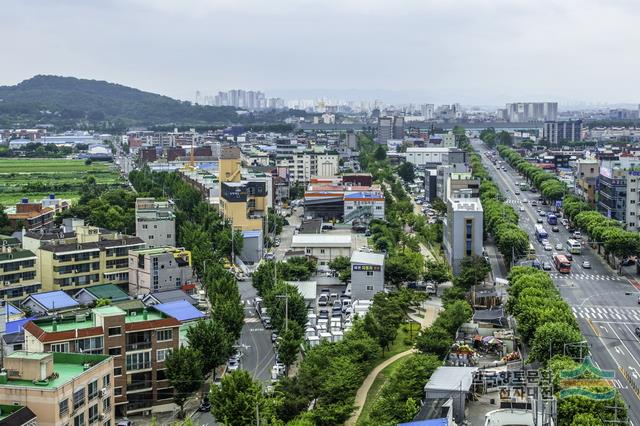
(16, 326)
(180, 310)
(362, 195)
(251, 234)
(432, 422)
(13, 310)
(54, 300)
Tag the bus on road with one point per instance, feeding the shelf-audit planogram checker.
(562, 264)
(552, 219)
(541, 234)
(531, 252)
(574, 246)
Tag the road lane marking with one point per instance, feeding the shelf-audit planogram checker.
(625, 346)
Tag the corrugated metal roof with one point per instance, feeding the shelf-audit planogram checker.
(54, 300)
(329, 240)
(180, 310)
(16, 326)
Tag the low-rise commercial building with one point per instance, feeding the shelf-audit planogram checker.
(61, 388)
(159, 269)
(586, 174)
(137, 340)
(156, 222)
(367, 274)
(322, 247)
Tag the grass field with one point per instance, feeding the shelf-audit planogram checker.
(35, 178)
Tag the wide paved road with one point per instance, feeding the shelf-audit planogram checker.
(605, 304)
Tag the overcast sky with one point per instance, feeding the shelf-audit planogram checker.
(468, 51)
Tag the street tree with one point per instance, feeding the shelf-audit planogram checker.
(212, 343)
(437, 271)
(342, 265)
(434, 340)
(283, 302)
(289, 344)
(235, 401)
(406, 172)
(184, 371)
(552, 338)
(473, 270)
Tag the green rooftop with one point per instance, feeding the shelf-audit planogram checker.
(107, 291)
(68, 366)
(69, 322)
(8, 410)
(155, 250)
(16, 255)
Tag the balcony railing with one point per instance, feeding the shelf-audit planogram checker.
(140, 385)
(138, 366)
(138, 346)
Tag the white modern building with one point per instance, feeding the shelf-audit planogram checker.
(462, 230)
(156, 222)
(424, 156)
(632, 216)
(367, 274)
(303, 166)
(323, 247)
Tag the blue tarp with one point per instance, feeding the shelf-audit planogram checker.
(432, 422)
(16, 326)
(54, 300)
(180, 310)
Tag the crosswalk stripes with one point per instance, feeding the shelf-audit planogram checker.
(599, 313)
(585, 277)
(251, 319)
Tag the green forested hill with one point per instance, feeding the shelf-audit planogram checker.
(68, 102)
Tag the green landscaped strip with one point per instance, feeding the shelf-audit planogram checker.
(375, 388)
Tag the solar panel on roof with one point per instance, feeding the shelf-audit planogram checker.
(180, 310)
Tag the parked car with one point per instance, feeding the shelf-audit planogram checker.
(322, 300)
(266, 323)
(577, 235)
(205, 405)
(534, 203)
(233, 364)
(586, 264)
(323, 314)
(555, 229)
(274, 337)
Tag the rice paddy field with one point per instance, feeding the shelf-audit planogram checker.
(36, 178)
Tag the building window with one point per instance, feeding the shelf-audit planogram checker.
(144, 226)
(161, 374)
(308, 251)
(115, 351)
(92, 389)
(321, 251)
(106, 423)
(115, 331)
(369, 288)
(164, 335)
(138, 361)
(60, 347)
(78, 398)
(117, 391)
(161, 354)
(91, 345)
(106, 405)
(63, 407)
(117, 371)
(468, 250)
(78, 420)
(369, 273)
(93, 413)
(106, 381)
(165, 393)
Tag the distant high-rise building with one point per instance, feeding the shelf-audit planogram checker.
(532, 111)
(398, 128)
(385, 130)
(427, 111)
(556, 132)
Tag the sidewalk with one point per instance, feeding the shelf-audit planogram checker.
(432, 309)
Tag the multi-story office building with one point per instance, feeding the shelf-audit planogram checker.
(137, 340)
(632, 201)
(586, 174)
(367, 274)
(612, 191)
(61, 388)
(18, 273)
(159, 269)
(556, 132)
(384, 130)
(462, 228)
(156, 222)
(532, 111)
(88, 257)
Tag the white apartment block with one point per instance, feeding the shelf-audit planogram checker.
(304, 166)
(156, 222)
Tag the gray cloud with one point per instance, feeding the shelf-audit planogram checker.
(470, 51)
